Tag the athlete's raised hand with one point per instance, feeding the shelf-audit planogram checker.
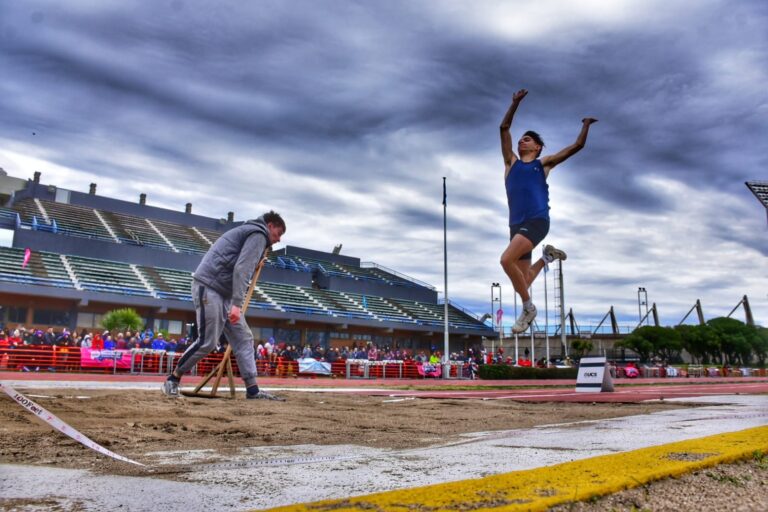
(519, 95)
(589, 120)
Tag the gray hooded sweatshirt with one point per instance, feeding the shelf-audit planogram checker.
(229, 264)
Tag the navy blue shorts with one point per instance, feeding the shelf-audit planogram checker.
(533, 229)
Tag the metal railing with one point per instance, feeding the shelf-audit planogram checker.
(370, 264)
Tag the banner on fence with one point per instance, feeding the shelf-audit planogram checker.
(429, 370)
(309, 365)
(94, 358)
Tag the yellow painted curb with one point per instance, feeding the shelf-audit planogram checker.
(541, 488)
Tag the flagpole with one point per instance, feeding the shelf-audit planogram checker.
(445, 271)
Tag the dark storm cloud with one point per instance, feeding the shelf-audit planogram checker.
(292, 88)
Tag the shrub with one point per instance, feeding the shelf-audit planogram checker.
(120, 320)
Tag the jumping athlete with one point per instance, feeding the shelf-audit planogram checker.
(218, 290)
(525, 178)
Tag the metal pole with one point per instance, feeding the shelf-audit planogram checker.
(445, 267)
(501, 321)
(546, 317)
(517, 348)
(533, 349)
(563, 338)
(493, 318)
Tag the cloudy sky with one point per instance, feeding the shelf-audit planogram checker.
(344, 116)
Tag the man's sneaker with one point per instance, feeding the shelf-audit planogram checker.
(263, 395)
(170, 388)
(551, 254)
(524, 320)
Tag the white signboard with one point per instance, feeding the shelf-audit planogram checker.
(593, 377)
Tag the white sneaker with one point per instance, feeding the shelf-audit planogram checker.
(524, 320)
(263, 395)
(170, 388)
(551, 254)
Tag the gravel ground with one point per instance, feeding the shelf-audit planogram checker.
(742, 486)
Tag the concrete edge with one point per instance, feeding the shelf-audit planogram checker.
(541, 488)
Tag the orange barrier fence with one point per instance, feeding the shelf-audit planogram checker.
(44, 358)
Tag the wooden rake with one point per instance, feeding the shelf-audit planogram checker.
(226, 361)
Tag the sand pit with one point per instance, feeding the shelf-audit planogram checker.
(134, 423)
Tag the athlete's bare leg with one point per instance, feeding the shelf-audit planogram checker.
(510, 260)
(530, 272)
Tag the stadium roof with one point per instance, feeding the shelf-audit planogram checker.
(760, 189)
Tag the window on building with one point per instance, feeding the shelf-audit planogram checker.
(89, 320)
(13, 314)
(383, 341)
(170, 326)
(288, 335)
(261, 334)
(174, 327)
(50, 317)
(317, 338)
(404, 342)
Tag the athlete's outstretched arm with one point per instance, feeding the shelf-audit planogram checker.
(506, 138)
(548, 162)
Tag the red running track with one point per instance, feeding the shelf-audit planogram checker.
(623, 393)
(521, 390)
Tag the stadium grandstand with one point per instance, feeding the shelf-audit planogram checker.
(89, 254)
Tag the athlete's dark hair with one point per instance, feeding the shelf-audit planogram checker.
(271, 217)
(536, 138)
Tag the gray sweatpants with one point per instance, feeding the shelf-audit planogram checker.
(212, 311)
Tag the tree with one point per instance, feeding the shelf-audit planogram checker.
(760, 345)
(119, 320)
(735, 337)
(637, 342)
(667, 344)
(690, 339)
(701, 342)
(581, 347)
(649, 340)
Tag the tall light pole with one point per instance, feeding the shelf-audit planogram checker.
(495, 318)
(642, 300)
(517, 341)
(546, 317)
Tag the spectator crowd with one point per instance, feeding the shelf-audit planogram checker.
(273, 357)
(97, 340)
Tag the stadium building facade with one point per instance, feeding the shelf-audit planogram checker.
(89, 254)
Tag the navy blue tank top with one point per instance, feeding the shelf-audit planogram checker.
(527, 192)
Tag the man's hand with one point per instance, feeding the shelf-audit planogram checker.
(589, 120)
(519, 95)
(234, 314)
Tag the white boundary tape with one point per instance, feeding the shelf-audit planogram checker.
(60, 425)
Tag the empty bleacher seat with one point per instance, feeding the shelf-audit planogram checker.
(183, 238)
(291, 298)
(169, 283)
(134, 230)
(107, 276)
(70, 219)
(380, 307)
(45, 269)
(338, 304)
